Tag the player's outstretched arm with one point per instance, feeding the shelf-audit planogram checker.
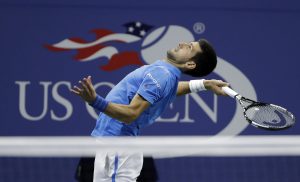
(185, 87)
(123, 113)
(127, 113)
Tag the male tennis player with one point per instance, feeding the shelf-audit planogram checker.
(138, 99)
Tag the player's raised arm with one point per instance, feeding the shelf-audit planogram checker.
(127, 113)
(121, 112)
(185, 87)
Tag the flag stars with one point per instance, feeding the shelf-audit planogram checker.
(138, 24)
(137, 28)
(142, 33)
(130, 29)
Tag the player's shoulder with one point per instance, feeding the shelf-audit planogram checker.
(159, 75)
(159, 71)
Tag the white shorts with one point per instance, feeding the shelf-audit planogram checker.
(120, 167)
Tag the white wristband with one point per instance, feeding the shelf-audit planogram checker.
(197, 85)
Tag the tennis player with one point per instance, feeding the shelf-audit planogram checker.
(138, 99)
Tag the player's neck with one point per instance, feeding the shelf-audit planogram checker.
(172, 62)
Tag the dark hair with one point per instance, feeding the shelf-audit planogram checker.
(206, 60)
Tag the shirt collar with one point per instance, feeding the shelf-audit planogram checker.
(170, 67)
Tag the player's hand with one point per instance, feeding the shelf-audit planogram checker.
(86, 90)
(216, 86)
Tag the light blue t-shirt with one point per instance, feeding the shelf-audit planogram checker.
(157, 83)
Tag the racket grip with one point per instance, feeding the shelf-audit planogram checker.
(230, 92)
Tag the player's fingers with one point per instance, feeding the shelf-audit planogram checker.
(89, 85)
(218, 90)
(221, 92)
(221, 83)
(77, 89)
(74, 91)
(84, 86)
(89, 79)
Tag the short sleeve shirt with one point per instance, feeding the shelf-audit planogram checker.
(157, 83)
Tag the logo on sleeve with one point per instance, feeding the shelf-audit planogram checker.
(154, 80)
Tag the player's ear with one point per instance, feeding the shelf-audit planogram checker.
(190, 65)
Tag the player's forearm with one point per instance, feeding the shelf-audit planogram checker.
(123, 113)
(183, 88)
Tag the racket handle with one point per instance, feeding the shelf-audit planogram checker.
(230, 92)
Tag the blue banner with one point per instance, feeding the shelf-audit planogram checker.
(47, 47)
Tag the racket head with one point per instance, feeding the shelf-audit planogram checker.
(268, 116)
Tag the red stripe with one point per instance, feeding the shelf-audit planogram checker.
(101, 32)
(52, 48)
(121, 60)
(87, 52)
(78, 40)
(56, 49)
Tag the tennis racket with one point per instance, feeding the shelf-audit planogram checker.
(263, 115)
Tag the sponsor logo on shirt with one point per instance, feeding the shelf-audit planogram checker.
(154, 80)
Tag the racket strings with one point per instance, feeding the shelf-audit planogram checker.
(268, 115)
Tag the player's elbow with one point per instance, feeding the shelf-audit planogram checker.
(132, 116)
(133, 112)
(129, 120)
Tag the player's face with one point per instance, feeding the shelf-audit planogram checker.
(183, 52)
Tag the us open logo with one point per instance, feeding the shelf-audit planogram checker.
(142, 44)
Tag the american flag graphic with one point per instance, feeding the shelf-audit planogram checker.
(103, 46)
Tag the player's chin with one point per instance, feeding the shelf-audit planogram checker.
(172, 51)
(171, 54)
